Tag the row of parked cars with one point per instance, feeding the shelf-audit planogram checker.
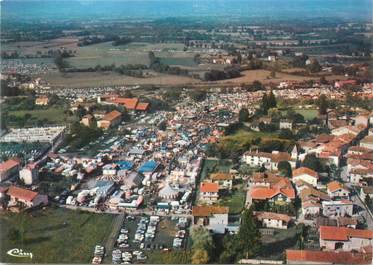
(127, 257)
(98, 254)
(180, 235)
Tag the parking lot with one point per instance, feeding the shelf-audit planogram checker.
(141, 235)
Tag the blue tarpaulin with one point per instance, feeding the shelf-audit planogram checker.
(124, 165)
(148, 166)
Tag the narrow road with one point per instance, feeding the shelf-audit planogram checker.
(109, 246)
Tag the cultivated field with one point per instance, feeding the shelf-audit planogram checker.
(112, 79)
(264, 77)
(32, 47)
(133, 53)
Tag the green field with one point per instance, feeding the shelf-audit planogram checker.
(54, 235)
(172, 257)
(54, 115)
(308, 114)
(242, 138)
(133, 53)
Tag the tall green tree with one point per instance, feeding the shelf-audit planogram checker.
(202, 245)
(243, 115)
(285, 169)
(312, 162)
(248, 235)
(323, 104)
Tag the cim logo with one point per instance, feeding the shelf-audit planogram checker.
(19, 253)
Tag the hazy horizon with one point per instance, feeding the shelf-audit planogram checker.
(23, 10)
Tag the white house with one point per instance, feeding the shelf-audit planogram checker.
(28, 174)
(268, 160)
(337, 208)
(344, 238)
(224, 180)
(209, 192)
(367, 142)
(214, 218)
(286, 124)
(337, 190)
(311, 208)
(273, 220)
(306, 174)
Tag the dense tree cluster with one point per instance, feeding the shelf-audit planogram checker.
(268, 102)
(227, 73)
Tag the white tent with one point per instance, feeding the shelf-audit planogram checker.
(167, 192)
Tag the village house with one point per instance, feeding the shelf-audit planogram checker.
(286, 124)
(273, 220)
(25, 198)
(306, 174)
(337, 190)
(209, 192)
(359, 167)
(344, 238)
(8, 169)
(366, 191)
(311, 201)
(111, 119)
(224, 180)
(343, 83)
(270, 187)
(361, 119)
(131, 104)
(337, 208)
(42, 101)
(350, 222)
(327, 257)
(269, 160)
(311, 208)
(214, 218)
(87, 120)
(367, 142)
(29, 174)
(361, 176)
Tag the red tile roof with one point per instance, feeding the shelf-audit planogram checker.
(334, 186)
(22, 194)
(142, 106)
(221, 176)
(305, 170)
(262, 193)
(343, 233)
(319, 257)
(209, 187)
(129, 103)
(278, 185)
(112, 115)
(9, 164)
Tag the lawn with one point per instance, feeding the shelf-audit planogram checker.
(171, 257)
(53, 114)
(215, 165)
(54, 235)
(235, 201)
(308, 114)
(243, 138)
